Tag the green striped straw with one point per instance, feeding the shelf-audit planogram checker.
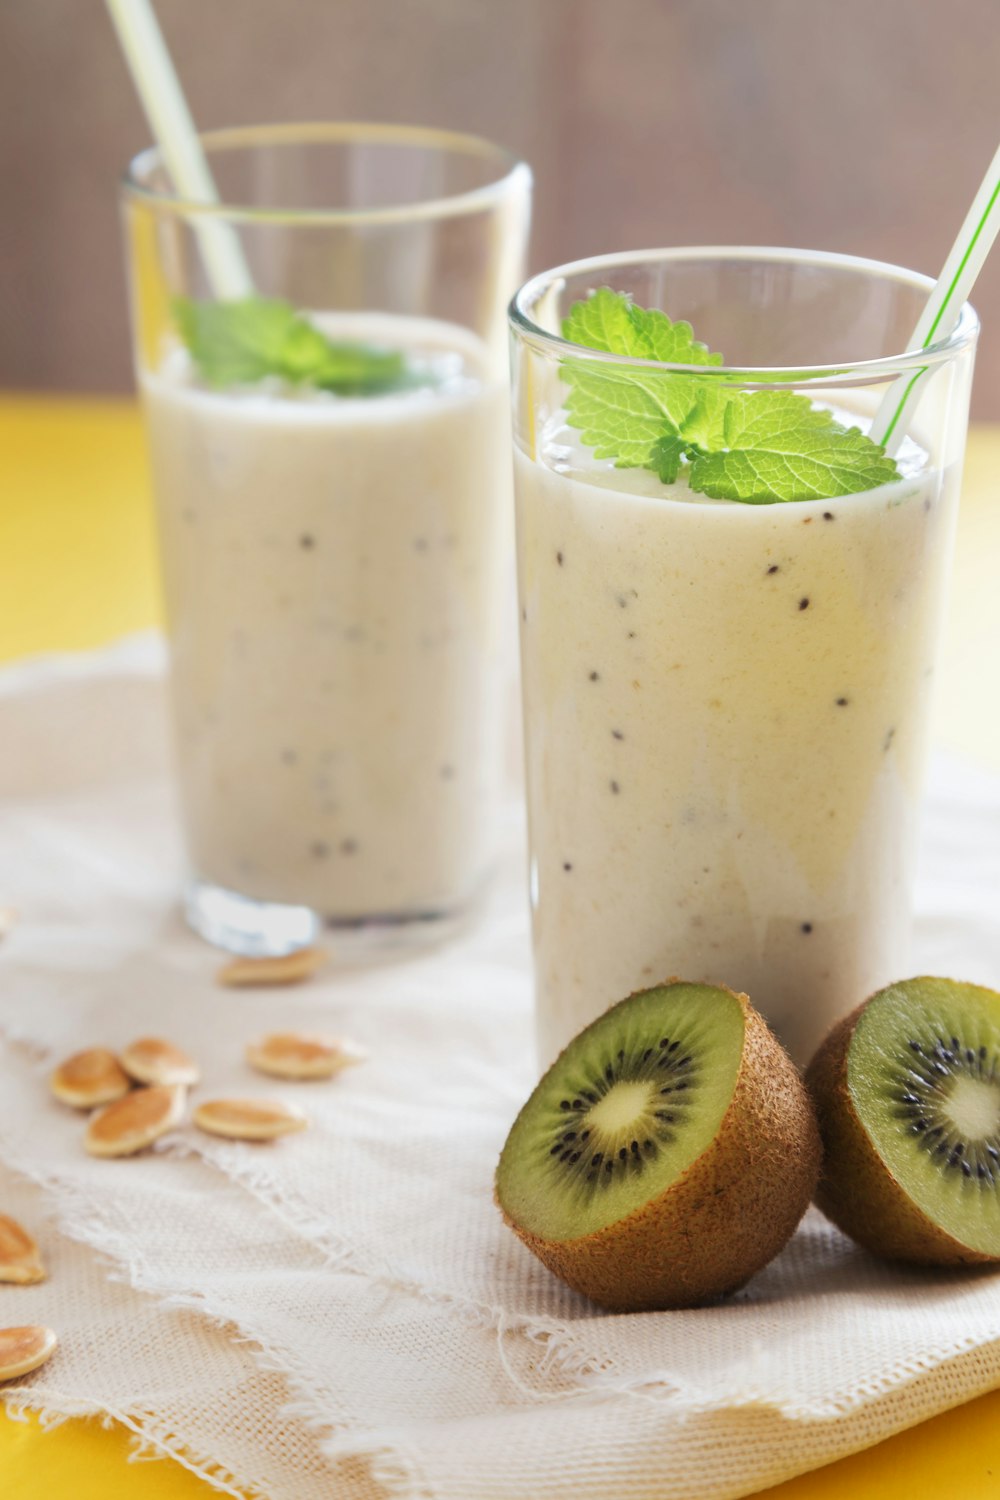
(939, 317)
(173, 129)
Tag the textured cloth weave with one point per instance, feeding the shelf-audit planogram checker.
(361, 1269)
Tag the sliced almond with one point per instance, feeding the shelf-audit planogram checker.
(152, 1060)
(20, 1261)
(290, 968)
(297, 1054)
(248, 1119)
(90, 1078)
(24, 1349)
(8, 920)
(135, 1122)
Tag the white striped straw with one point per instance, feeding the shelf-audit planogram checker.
(939, 317)
(173, 128)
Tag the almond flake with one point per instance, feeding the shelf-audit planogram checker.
(20, 1261)
(248, 1119)
(135, 1122)
(89, 1078)
(289, 968)
(152, 1060)
(295, 1054)
(24, 1349)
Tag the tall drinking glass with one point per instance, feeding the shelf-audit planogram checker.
(323, 367)
(726, 704)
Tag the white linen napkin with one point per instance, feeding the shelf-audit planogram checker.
(428, 1353)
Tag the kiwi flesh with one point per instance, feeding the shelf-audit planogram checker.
(667, 1154)
(907, 1095)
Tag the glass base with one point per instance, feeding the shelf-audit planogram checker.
(258, 929)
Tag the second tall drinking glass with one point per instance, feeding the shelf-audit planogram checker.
(323, 369)
(726, 703)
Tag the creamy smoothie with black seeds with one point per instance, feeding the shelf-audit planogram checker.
(334, 571)
(725, 710)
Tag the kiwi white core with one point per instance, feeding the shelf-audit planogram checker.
(630, 1104)
(973, 1106)
(623, 1104)
(923, 1072)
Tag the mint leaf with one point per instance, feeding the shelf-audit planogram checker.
(622, 414)
(704, 427)
(611, 321)
(665, 458)
(757, 448)
(237, 343)
(780, 447)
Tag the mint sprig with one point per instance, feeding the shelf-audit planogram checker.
(238, 343)
(759, 448)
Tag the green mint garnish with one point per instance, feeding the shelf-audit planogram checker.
(759, 447)
(237, 343)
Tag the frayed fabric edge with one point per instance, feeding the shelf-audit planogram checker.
(150, 1441)
(564, 1356)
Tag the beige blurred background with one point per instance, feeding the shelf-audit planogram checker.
(855, 125)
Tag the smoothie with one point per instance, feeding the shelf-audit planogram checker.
(725, 710)
(334, 572)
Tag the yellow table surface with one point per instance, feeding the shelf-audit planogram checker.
(77, 569)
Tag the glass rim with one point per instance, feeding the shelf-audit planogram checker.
(511, 173)
(886, 367)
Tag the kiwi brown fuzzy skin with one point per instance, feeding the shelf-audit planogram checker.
(730, 1212)
(856, 1190)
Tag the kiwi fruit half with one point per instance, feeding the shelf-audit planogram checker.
(666, 1155)
(907, 1094)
